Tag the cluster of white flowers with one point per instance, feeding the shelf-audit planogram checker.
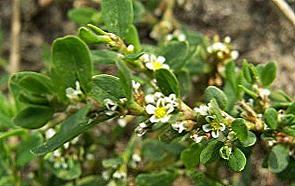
(119, 174)
(223, 50)
(177, 34)
(58, 160)
(160, 107)
(74, 94)
(154, 63)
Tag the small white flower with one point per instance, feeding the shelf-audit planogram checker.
(264, 92)
(217, 46)
(136, 86)
(122, 122)
(196, 138)
(181, 37)
(202, 110)
(67, 145)
(141, 129)
(130, 48)
(74, 94)
(171, 99)
(136, 158)
(154, 63)
(227, 39)
(160, 112)
(50, 133)
(111, 106)
(152, 98)
(169, 37)
(75, 140)
(234, 54)
(56, 153)
(214, 126)
(105, 175)
(179, 126)
(119, 175)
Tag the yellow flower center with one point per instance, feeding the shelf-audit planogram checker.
(215, 125)
(157, 65)
(160, 112)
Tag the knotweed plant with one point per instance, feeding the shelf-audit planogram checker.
(192, 111)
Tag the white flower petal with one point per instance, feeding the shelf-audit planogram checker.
(165, 66)
(154, 119)
(161, 102)
(206, 128)
(149, 65)
(149, 98)
(215, 133)
(222, 127)
(158, 95)
(150, 109)
(170, 108)
(161, 59)
(165, 119)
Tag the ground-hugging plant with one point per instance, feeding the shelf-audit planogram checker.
(194, 109)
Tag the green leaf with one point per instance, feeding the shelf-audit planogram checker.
(291, 109)
(71, 62)
(237, 160)
(267, 73)
(89, 37)
(104, 56)
(248, 91)
(184, 79)
(175, 53)
(73, 126)
(191, 156)
(163, 178)
(209, 151)
(133, 38)
(167, 82)
(125, 79)
(250, 140)
(31, 87)
(23, 154)
(278, 158)
(213, 92)
(106, 87)
(247, 72)
(271, 118)
(231, 85)
(32, 82)
(82, 15)
(117, 15)
(240, 128)
(201, 179)
(33, 116)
